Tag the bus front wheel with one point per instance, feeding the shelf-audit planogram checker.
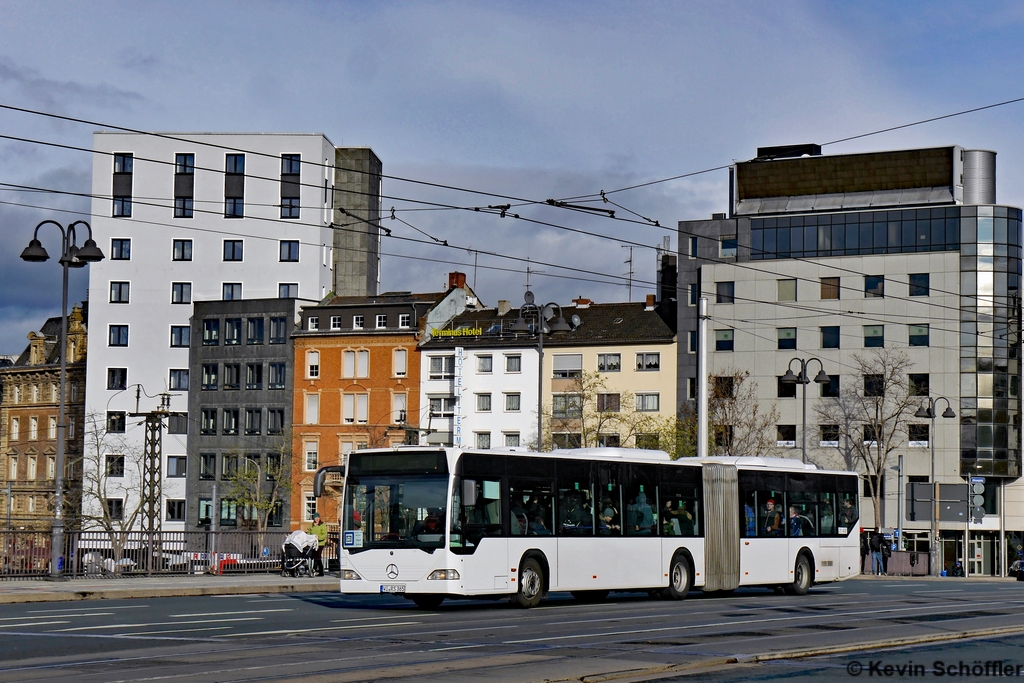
(678, 579)
(801, 577)
(531, 583)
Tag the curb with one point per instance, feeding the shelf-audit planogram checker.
(171, 592)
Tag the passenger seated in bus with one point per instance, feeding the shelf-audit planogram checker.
(772, 520)
(848, 514)
(431, 524)
(573, 513)
(538, 527)
(517, 520)
(677, 521)
(610, 523)
(641, 521)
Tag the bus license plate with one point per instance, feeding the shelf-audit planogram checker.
(392, 588)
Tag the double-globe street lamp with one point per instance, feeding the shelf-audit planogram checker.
(927, 409)
(790, 378)
(71, 256)
(547, 321)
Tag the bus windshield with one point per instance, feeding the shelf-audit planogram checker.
(395, 511)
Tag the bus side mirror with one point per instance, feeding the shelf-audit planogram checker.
(468, 492)
(320, 478)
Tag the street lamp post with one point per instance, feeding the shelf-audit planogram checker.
(790, 378)
(927, 409)
(71, 256)
(543, 316)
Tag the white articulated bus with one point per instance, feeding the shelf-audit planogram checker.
(440, 523)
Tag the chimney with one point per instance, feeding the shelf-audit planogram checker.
(456, 279)
(582, 303)
(503, 306)
(651, 302)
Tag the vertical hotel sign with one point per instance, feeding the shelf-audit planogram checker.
(457, 418)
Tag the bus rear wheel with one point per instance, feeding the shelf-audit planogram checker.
(801, 577)
(678, 579)
(428, 601)
(531, 584)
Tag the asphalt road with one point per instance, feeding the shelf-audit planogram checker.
(330, 637)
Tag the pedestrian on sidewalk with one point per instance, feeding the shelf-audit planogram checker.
(318, 529)
(876, 542)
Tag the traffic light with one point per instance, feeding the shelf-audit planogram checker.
(977, 499)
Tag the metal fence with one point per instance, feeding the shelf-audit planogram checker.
(97, 554)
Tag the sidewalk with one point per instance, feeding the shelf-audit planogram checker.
(159, 587)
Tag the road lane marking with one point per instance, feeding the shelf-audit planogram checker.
(57, 616)
(950, 590)
(177, 630)
(478, 628)
(218, 614)
(155, 623)
(455, 647)
(322, 628)
(37, 623)
(396, 616)
(82, 609)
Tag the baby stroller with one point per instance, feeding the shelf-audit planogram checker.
(298, 549)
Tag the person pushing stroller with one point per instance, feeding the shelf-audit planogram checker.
(318, 529)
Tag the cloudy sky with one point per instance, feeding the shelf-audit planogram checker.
(532, 100)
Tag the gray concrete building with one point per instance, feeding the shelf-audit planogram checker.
(357, 175)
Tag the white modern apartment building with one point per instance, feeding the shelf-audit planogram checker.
(199, 217)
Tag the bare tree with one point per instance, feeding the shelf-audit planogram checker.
(738, 424)
(871, 416)
(260, 485)
(677, 435)
(597, 415)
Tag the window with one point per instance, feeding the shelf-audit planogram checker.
(483, 439)
(357, 322)
(33, 428)
(232, 291)
(401, 359)
(117, 378)
(51, 430)
(253, 421)
(335, 322)
(404, 321)
(918, 384)
(648, 362)
(277, 378)
(692, 252)
(181, 292)
(278, 330)
(176, 465)
(208, 421)
(229, 510)
(312, 455)
(399, 407)
(830, 337)
(724, 387)
(382, 321)
(312, 409)
(874, 385)
(357, 363)
(289, 250)
(830, 390)
(175, 511)
(310, 508)
(114, 465)
(288, 290)
(787, 338)
(181, 250)
(123, 163)
(232, 331)
(178, 380)
(234, 164)
(785, 436)
(229, 422)
(115, 509)
(917, 436)
(511, 439)
(727, 247)
(874, 336)
(694, 290)
(183, 207)
(648, 402)
(874, 286)
(228, 465)
(723, 340)
(442, 406)
(290, 164)
(254, 376)
(785, 389)
(829, 436)
(312, 364)
(232, 250)
(177, 424)
(290, 207)
(119, 292)
(442, 367)
(275, 421)
(918, 335)
(567, 365)
(254, 331)
(207, 466)
(568, 406)
(691, 341)
(513, 364)
(313, 323)
(122, 207)
(609, 362)
(483, 403)
(608, 403)
(512, 402)
(180, 336)
(484, 364)
(609, 440)
(115, 421)
(15, 430)
(120, 249)
(232, 376)
(829, 288)
(786, 290)
(211, 332)
(919, 284)
(184, 164)
(725, 292)
(118, 335)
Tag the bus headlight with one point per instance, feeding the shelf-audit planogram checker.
(349, 575)
(443, 575)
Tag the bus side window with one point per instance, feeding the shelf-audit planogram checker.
(575, 514)
(679, 512)
(827, 514)
(530, 508)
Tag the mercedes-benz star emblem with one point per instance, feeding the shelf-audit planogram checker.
(392, 571)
